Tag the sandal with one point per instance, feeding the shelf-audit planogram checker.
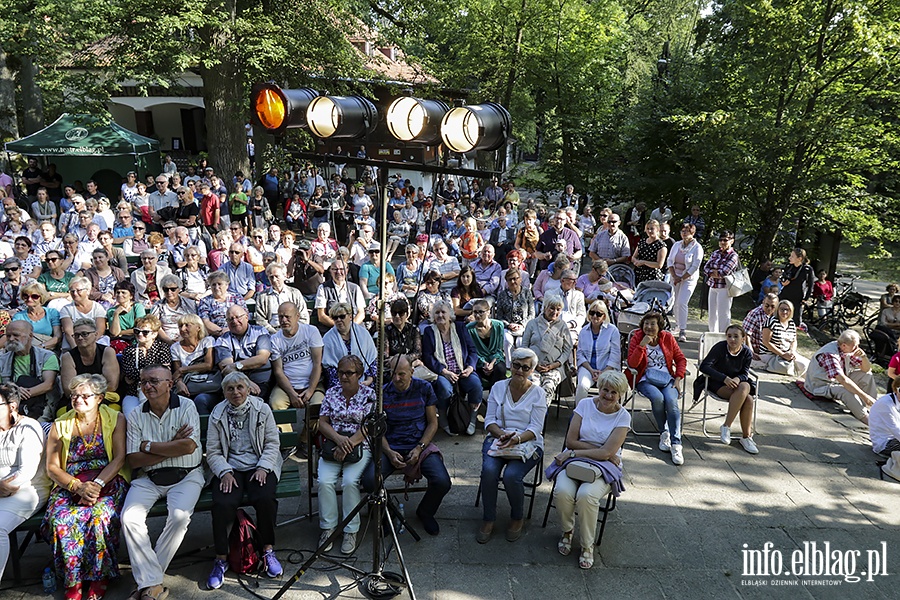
(163, 594)
(73, 592)
(586, 560)
(565, 543)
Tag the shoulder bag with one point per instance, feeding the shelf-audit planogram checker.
(738, 283)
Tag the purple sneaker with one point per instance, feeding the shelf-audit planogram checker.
(273, 567)
(217, 576)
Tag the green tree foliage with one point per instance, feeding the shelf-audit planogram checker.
(782, 116)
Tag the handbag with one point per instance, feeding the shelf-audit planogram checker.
(521, 451)
(329, 446)
(583, 471)
(657, 378)
(738, 283)
(90, 475)
(202, 383)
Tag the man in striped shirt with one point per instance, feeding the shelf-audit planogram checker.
(164, 442)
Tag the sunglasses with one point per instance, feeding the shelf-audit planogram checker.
(346, 373)
(153, 382)
(237, 252)
(339, 317)
(140, 228)
(80, 335)
(31, 296)
(517, 366)
(12, 268)
(143, 331)
(54, 259)
(170, 289)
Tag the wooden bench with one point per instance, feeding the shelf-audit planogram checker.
(290, 485)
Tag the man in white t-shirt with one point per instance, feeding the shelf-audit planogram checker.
(296, 361)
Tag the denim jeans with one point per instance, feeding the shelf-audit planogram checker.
(470, 386)
(350, 474)
(435, 474)
(665, 406)
(513, 480)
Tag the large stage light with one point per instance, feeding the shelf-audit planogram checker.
(341, 116)
(413, 119)
(476, 127)
(277, 109)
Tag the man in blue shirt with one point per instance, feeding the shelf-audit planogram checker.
(411, 410)
(243, 280)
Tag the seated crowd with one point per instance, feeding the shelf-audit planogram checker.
(119, 361)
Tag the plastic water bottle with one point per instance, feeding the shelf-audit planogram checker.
(49, 581)
(400, 527)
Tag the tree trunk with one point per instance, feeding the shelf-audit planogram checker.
(9, 128)
(223, 95)
(33, 104)
(226, 101)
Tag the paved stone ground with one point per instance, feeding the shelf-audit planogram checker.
(678, 532)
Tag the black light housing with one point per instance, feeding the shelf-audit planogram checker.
(277, 109)
(413, 119)
(475, 127)
(341, 116)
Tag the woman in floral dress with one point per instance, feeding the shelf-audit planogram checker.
(86, 461)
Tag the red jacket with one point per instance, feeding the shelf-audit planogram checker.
(637, 355)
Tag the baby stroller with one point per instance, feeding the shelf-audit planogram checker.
(649, 296)
(622, 275)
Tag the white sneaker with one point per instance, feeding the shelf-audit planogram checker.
(470, 430)
(677, 455)
(749, 445)
(682, 336)
(664, 444)
(349, 543)
(725, 434)
(324, 537)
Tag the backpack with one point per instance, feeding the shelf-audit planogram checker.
(243, 545)
(458, 413)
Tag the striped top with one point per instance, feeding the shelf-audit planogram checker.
(783, 335)
(144, 425)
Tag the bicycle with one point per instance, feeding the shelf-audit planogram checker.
(849, 308)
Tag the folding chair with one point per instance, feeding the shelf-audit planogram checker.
(707, 341)
(602, 516)
(531, 487)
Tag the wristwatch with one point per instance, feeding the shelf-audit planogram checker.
(421, 446)
(239, 366)
(147, 447)
(571, 454)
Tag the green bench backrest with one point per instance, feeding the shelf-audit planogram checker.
(288, 439)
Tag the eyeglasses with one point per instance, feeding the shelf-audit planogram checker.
(31, 296)
(569, 279)
(479, 312)
(80, 335)
(83, 396)
(79, 290)
(596, 313)
(346, 373)
(161, 182)
(140, 228)
(339, 317)
(238, 252)
(612, 222)
(11, 269)
(236, 318)
(143, 331)
(517, 366)
(153, 382)
(170, 289)
(168, 227)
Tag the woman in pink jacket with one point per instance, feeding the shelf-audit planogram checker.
(659, 368)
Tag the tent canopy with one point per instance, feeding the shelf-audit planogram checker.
(83, 135)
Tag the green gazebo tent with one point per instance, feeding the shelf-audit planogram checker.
(87, 147)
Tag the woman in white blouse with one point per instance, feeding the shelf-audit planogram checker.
(515, 418)
(598, 348)
(596, 433)
(684, 271)
(24, 486)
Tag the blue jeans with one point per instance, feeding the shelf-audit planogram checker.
(513, 480)
(665, 406)
(470, 386)
(206, 402)
(435, 474)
